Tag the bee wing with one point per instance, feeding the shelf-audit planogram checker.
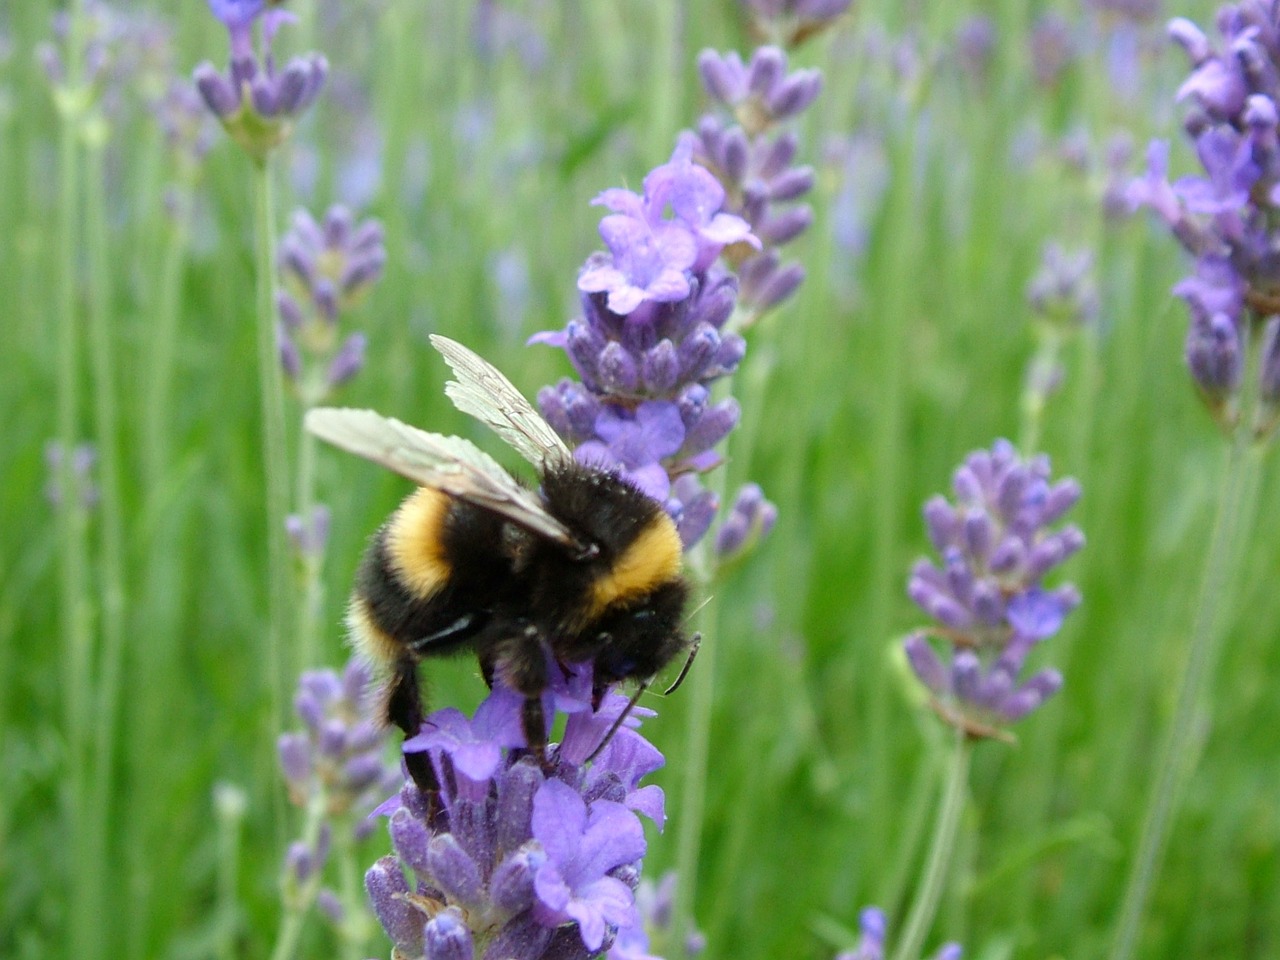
(449, 464)
(482, 391)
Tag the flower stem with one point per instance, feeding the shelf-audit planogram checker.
(73, 561)
(157, 415)
(1176, 759)
(944, 836)
(297, 902)
(275, 460)
(701, 683)
(355, 916)
(109, 511)
(312, 552)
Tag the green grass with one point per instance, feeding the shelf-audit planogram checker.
(889, 366)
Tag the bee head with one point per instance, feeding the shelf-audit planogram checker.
(640, 639)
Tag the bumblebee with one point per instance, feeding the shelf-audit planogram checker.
(586, 568)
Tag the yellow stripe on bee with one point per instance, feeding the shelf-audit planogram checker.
(415, 544)
(651, 560)
(371, 642)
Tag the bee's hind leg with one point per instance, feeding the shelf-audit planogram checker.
(404, 709)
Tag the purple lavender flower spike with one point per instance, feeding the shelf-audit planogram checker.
(792, 22)
(752, 157)
(522, 862)
(987, 596)
(873, 928)
(256, 104)
(326, 270)
(1225, 214)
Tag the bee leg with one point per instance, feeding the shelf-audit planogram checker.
(404, 709)
(535, 730)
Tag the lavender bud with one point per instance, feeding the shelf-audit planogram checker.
(454, 870)
(348, 361)
(447, 937)
(411, 840)
(795, 94)
(295, 757)
(387, 893)
(926, 665)
(766, 70)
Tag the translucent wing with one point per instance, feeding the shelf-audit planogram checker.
(450, 464)
(482, 391)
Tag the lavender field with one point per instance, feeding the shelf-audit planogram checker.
(938, 342)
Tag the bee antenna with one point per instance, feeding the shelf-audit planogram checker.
(621, 719)
(684, 671)
(697, 610)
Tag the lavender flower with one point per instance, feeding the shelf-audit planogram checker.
(515, 861)
(651, 340)
(752, 157)
(655, 905)
(1226, 216)
(987, 595)
(1063, 293)
(750, 519)
(70, 479)
(325, 270)
(872, 925)
(255, 103)
(338, 754)
(792, 22)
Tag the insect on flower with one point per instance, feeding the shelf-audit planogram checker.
(584, 569)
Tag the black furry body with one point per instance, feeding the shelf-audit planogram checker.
(445, 575)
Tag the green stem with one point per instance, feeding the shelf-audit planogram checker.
(312, 599)
(157, 416)
(1033, 399)
(1176, 758)
(355, 917)
(298, 901)
(229, 808)
(275, 459)
(693, 798)
(944, 837)
(73, 562)
(110, 513)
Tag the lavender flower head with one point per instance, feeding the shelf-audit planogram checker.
(338, 753)
(987, 595)
(651, 340)
(1226, 216)
(256, 103)
(325, 270)
(790, 23)
(70, 479)
(744, 143)
(514, 861)
(871, 944)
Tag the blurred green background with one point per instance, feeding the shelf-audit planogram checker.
(940, 181)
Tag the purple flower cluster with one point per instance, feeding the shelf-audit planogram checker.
(651, 340)
(871, 923)
(514, 861)
(655, 904)
(1063, 293)
(746, 148)
(334, 769)
(74, 473)
(325, 269)
(256, 103)
(987, 594)
(1226, 216)
(750, 518)
(338, 753)
(792, 22)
